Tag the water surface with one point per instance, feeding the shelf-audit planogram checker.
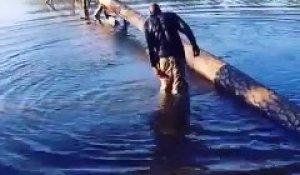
(82, 99)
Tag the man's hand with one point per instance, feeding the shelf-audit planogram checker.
(159, 73)
(196, 51)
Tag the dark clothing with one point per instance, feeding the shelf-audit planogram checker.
(86, 6)
(163, 40)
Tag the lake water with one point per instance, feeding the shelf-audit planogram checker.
(81, 99)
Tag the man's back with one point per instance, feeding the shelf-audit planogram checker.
(163, 31)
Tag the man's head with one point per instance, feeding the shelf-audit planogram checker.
(154, 9)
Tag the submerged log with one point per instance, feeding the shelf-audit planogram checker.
(228, 78)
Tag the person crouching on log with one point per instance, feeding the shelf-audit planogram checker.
(50, 3)
(166, 50)
(110, 14)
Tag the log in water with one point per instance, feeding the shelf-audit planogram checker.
(228, 78)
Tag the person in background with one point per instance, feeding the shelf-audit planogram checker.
(86, 7)
(110, 14)
(101, 8)
(166, 50)
(50, 3)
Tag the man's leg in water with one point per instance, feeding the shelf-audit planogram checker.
(49, 2)
(179, 85)
(165, 66)
(86, 9)
(125, 24)
(98, 12)
(73, 3)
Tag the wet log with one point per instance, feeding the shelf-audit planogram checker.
(227, 77)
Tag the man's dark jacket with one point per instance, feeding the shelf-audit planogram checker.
(163, 40)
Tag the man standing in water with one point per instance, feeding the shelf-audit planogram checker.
(166, 50)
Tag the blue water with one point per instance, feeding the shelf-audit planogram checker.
(82, 99)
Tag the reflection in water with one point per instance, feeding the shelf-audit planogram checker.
(172, 118)
(171, 124)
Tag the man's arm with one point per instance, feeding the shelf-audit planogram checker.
(185, 28)
(153, 55)
(150, 45)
